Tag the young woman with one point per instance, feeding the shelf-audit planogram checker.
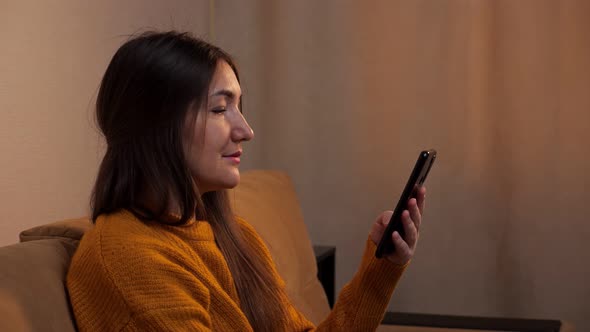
(166, 253)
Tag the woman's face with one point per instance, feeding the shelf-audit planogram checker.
(214, 144)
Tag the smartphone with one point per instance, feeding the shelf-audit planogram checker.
(416, 180)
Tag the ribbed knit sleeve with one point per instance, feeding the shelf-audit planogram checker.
(362, 302)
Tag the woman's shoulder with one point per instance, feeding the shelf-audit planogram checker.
(124, 258)
(120, 236)
(120, 243)
(123, 227)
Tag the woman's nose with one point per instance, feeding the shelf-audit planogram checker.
(242, 131)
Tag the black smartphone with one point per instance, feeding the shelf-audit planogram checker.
(416, 180)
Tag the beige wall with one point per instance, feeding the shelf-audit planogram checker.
(52, 59)
(345, 94)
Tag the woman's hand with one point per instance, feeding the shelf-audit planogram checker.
(411, 219)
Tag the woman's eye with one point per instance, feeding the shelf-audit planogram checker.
(218, 110)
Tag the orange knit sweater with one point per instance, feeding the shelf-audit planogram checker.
(129, 275)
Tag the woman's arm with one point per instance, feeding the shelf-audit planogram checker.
(362, 302)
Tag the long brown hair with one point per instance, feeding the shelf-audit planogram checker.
(143, 101)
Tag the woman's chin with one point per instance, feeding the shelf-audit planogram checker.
(231, 180)
(228, 180)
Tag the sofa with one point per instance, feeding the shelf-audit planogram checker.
(33, 296)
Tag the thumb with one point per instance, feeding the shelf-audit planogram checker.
(383, 218)
(379, 226)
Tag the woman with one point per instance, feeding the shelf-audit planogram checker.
(166, 252)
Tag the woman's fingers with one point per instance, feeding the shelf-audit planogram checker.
(379, 226)
(402, 249)
(411, 233)
(415, 213)
(411, 220)
(421, 198)
(384, 218)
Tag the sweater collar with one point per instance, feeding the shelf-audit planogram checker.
(193, 229)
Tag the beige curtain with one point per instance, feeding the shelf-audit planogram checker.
(344, 94)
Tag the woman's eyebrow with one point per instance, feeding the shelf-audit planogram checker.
(224, 92)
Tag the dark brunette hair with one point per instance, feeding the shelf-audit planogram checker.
(152, 83)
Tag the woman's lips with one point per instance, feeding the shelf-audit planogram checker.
(234, 157)
(235, 154)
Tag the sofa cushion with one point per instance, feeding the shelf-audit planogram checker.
(67, 229)
(267, 200)
(32, 294)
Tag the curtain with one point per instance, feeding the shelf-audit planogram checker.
(344, 94)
